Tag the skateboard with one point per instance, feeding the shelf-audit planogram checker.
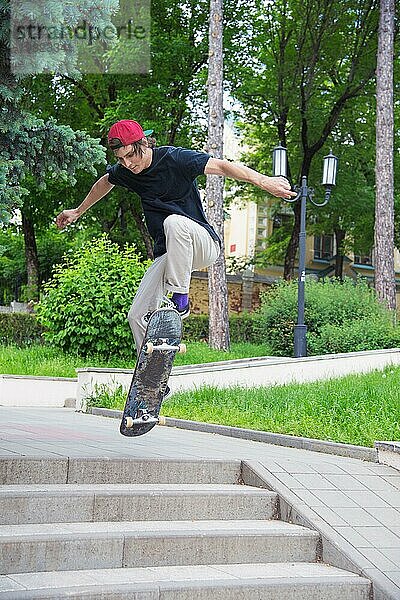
(161, 343)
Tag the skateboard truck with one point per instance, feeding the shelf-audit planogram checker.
(150, 347)
(146, 417)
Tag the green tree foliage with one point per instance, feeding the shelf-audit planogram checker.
(84, 305)
(341, 309)
(12, 265)
(166, 99)
(34, 150)
(30, 145)
(349, 215)
(302, 64)
(51, 247)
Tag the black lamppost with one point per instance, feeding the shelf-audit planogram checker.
(279, 164)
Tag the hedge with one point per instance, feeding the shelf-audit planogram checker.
(21, 329)
(243, 328)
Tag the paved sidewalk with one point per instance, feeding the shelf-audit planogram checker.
(359, 500)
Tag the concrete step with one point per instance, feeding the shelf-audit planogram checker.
(389, 454)
(31, 470)
(67, 503)
(102, 545)
(273, 581)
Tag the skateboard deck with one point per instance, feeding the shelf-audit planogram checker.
(161, 343)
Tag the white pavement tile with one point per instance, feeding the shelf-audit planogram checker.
(326, 468)
(354, 537)
(358, 517)
(393, 554)
(387, 516)
(346, 482)
(380, 537)
(335, 499)
(394, 576)
(393, 480)
(294, 467)
(374, 482)
(331, 517)
(289, 481)
(353, 467)
(378, 559)
(309, 498)
(378, 469)
(314, 481)
(391, 498)
(366, 499)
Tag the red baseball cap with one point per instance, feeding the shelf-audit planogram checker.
(128, 132)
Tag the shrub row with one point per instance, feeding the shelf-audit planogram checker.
(341, 316)
(21, 329)
(368, 333)
(83, 309)
(243, 328)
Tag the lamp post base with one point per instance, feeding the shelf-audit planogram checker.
(300, 341)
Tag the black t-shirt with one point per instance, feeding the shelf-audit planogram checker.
(167, 187)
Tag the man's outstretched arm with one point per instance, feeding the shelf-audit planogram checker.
(98, 191)
(277, 186)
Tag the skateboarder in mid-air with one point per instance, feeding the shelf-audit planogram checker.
(165, 179)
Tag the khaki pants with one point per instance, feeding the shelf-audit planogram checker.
(189, 247)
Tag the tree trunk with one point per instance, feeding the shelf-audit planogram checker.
(385, 284)
(31, 258)
(143, 231)
(291, 250)
(217, 284)
(339, 238)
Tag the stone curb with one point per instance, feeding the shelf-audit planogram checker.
(336, 550)
(278, 439)
(240, 363)
(391, 446)
(38, 378)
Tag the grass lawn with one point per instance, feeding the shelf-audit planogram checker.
(357, 409)
(50, 362)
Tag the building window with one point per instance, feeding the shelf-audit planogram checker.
(261, 232)
(323, 247)
(363, 259)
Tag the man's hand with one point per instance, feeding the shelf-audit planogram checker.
(66, 217)
(277, 186)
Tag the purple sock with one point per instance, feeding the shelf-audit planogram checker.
(180, 300)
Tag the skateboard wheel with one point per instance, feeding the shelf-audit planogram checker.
(182, 349)
(149, 348)
(128, 422)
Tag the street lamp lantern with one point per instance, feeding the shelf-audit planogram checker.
(330, 167)
(304, 192)
(279, 161)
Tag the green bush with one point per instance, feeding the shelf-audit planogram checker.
(340, 317)
(83, 308)
(243, 328)
(21, 329)
(195, 328)
(352, 336)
